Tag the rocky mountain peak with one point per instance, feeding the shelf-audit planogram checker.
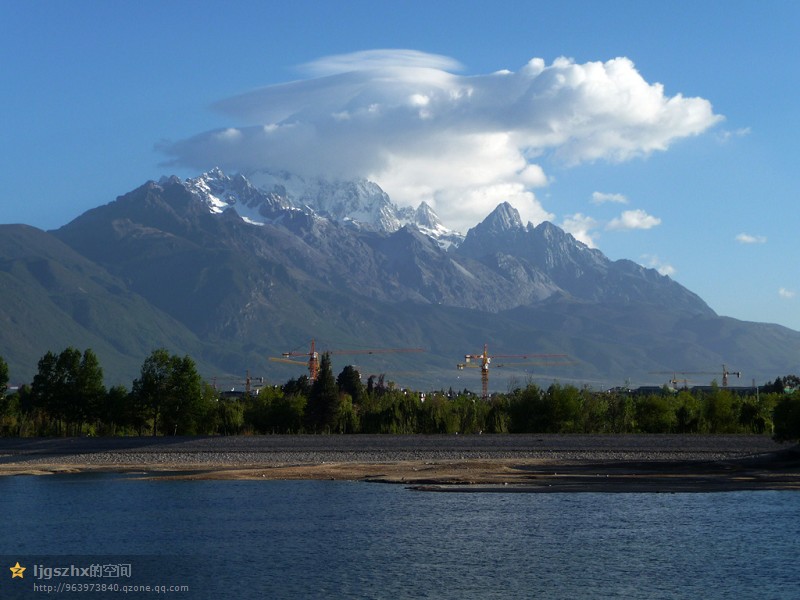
(359, 202)
(266, 196)
(503, 218)
(425, 217)
(238, 293)
(498, 232)
(220, 192)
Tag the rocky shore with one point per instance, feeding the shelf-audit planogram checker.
(531, 463)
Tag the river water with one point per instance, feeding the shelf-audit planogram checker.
(327, 539)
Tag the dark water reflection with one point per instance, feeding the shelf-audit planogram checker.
(312, 539)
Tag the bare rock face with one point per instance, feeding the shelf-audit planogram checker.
(232, 271)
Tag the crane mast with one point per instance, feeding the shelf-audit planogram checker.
(237, 381)
(725, 374)
(485, 359)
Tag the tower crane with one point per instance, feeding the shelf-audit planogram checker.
(725, 374)
(313, 360)
(313, 356)
(485, 359)
(248, 381)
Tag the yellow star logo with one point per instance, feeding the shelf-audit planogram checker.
(17, 571)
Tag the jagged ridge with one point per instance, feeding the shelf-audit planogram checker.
(360, 203)
(250, 291)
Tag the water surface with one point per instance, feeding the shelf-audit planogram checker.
(326, 539)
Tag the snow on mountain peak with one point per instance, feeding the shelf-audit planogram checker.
(360, 203)
(221, 192)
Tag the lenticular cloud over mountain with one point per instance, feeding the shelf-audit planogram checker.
(461, 143)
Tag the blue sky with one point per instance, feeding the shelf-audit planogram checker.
(100, 97)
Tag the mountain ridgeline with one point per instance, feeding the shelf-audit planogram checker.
(233, 272)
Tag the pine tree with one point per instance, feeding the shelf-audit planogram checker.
(322, 410)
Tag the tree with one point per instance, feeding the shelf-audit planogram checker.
(564, 408)
(169, 389)
(349, 382)
(297, 387)
(27, 411)
(435, 415)
(322, 410)
(497, 417)
(71, 404)
(69, 386)
(755, 415)
(621, 414)
(688, 415)
(655, 413)
(152, 387)
(721, 410)
(229, 417)
(44, 396)
(3, 377)
(90, 391)
(186, 404)
(347, 420)
(9, 405)
(525, 409)
(116, 409)
(286, 413)
(278, 410)
(786, 418)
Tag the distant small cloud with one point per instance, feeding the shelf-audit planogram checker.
(726, 135)
(784, 293)
(746, 238)
(580, 226)
(602, 198)
(654, 262)
(633, 219)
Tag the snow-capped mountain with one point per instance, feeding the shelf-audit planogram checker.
(360, 203)
(220, 192)
(176, 264)
(428, 222)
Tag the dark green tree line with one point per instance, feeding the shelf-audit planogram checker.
(67, 397)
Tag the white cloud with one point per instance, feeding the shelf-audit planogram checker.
(379, 60)
(654, 262)
(784, 293)
(581, 226)
(633, 219)
(602, 198)
(746, 238)
(407, 121)
(727, 135)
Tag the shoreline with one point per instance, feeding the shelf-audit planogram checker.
(503, 463)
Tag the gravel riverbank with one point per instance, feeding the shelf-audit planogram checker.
(274, 450)
(485, 463)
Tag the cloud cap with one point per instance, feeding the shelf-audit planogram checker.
(463, 144)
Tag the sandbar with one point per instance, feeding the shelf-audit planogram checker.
(543, 463)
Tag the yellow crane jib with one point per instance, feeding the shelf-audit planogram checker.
(485, 359)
